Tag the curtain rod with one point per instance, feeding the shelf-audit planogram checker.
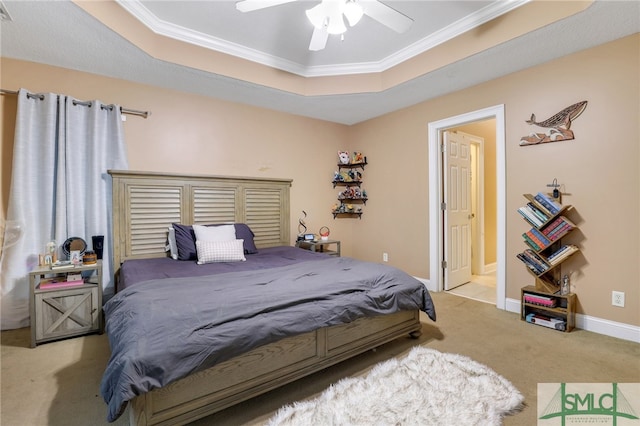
(123, 110)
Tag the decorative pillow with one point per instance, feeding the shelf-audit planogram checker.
(185, 242)
(172, 247)
(245, 233)
(220, 251)
(214, 233)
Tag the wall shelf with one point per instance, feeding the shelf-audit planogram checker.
(351, 180)
(346, 214)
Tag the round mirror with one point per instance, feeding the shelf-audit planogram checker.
(73, 244)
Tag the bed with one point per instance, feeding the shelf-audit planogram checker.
(192, 336)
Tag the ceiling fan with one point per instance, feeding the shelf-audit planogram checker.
(328, 16)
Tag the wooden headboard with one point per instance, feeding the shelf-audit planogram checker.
(146, 203)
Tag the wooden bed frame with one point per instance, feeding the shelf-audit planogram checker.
(144, 204)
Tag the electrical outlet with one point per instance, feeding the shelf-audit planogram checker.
(617, 298)
(385, 257)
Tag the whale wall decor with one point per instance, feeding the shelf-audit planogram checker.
(558, 126)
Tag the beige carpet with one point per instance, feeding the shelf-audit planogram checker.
(58, 383)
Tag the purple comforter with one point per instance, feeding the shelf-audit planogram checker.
(164, 329)
(139, 270)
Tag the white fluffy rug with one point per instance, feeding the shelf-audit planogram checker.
(426, 387)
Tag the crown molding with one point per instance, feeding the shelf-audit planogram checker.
(186, 35)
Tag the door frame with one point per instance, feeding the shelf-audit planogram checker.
(436, 223)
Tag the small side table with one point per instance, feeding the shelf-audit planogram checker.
(320, 246)
(61, 312)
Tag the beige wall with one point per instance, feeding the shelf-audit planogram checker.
(599, 169)
(193, 134)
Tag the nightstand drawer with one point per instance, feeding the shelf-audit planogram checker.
(66, 312)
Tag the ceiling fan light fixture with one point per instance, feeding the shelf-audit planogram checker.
(334, 11)
(353, 11)
(317, 15)
(336, 26)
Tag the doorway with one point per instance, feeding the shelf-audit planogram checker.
(436, 222)
(470, 257)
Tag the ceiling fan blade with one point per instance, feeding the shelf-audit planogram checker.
(251, 5)
(318, 39)
(386, 15)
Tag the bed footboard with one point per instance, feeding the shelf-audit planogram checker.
(267, 368)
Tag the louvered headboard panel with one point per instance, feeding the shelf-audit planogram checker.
(214, 205)
(150, 209)
(262, 215)
(146, 203)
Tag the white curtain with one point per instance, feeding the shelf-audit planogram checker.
(60, 188)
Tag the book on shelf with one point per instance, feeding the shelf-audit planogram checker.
(539, 243)
(540, 237)
(548, 203)
(530, 216)
(547, 321)
(533, 238)
(559, 227)
(533, 266)
(539, 205)
(562, 254)
(529, 257)
(530, 242)
(537, 299)
(62, 264)
(560, 232)
(537, 258)
(527, 262)
(557, 253)
(551, 226)
(59, 282)
(539, 213)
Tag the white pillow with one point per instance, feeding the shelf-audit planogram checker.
(215, 233)
(172, 247)
(220, 251)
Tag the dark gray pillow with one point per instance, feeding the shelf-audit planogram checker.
(185, 242)
(243, 232)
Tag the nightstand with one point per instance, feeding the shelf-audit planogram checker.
(321, 246)
(65, 311)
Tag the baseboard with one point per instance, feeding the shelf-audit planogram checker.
(584, 322)
(489, 268)
(512, 305)
(427, 284)
(609, 328)
(596, 325)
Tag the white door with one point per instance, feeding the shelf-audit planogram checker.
(457, 210)
(475, 209)
(477, 205)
